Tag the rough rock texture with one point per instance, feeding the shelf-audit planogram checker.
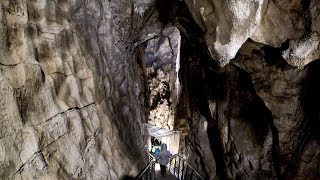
(162, 57)
(74, 92)
(161, 113)
(70, 90)
(297, 21)
(228, 24)
(280, 89)
(254, 118)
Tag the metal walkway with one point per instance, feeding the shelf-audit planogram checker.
(178, 169)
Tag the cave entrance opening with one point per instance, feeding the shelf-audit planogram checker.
(157, 136)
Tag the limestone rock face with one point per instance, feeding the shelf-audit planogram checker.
(258, 116)
(295, 21)
(255, 118)
(74, 92)
(162, 58)
(301, 52)
(70, 90)
(279, 89)
(228, 24)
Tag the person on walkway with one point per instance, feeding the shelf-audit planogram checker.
(157, 152)
(164, 157)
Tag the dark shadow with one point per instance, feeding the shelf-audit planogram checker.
(254, 112)
(167, 10)
(309, 128)
(252, 107)
(310, 100)
(273, 56)
(195, 87)
(128, 178)
(202, 80)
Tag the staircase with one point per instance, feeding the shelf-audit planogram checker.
(178, 168)
(148, 172)
(183, 170)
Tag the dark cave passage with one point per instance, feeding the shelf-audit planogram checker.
(310, 99)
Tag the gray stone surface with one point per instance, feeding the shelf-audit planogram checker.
(70, 99)
(228, 25)
(256, 118)
(74, 93)
(162, 58)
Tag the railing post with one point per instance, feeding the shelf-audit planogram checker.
(150, 172)
(191, 174)
(153, 172)
(186, 175)
(179, 168)
(174, 169)
(182, 174)
(182, 170)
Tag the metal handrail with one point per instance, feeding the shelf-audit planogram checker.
(149, 170)
(144, 171)
(184, 169)
(187, 172)
(151, 156)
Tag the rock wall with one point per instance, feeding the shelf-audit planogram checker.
(162, 58)
(74, 94)
(71, 99)
(228, 25)
(253, 118)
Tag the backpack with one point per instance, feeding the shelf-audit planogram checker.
(156, 152)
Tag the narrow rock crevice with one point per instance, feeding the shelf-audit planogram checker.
(276, 152)
(310, 99)
(309, 127)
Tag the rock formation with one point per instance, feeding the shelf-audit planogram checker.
(71, 103)
(228, 24)
(162, 57)
(238, 78)
(254, 114)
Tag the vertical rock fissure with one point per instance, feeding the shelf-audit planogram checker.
(275, 151)
(216, 144)
(309, 127)
(213, 129)
(308, 20)
(214, 134)
(262, 121)
(309, 100)
(274, 131)
(197, 85)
